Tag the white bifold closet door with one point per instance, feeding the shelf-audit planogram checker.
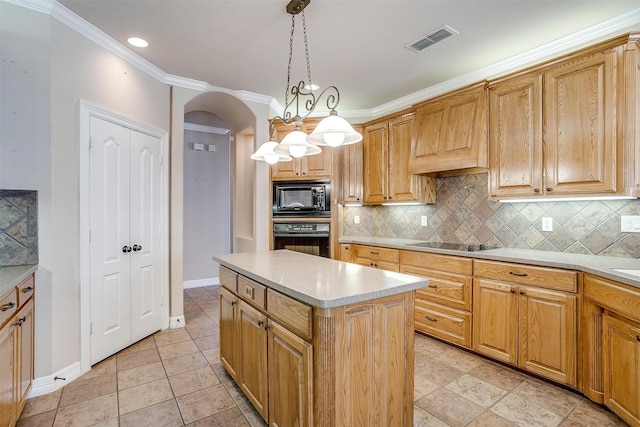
(125, 223)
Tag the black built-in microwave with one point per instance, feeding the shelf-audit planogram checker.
(302, 199)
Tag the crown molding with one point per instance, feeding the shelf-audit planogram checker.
(516, 62)
(544, 52)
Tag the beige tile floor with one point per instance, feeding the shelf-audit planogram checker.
(174, 378)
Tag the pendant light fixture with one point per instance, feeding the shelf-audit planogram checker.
(332, 131)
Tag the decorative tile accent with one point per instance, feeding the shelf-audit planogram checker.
(463, 214)
(18, 227)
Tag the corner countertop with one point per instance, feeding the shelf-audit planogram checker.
(11, 276)
(598, 265)
(319, 282)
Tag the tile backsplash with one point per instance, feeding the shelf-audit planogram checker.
(18, 227)
(463, 214)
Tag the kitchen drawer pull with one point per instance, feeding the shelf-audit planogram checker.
(25, 290)
(433, 286)
(374, 253)
(518, 274)
(431, 319)
(8, 306)
(20, 321)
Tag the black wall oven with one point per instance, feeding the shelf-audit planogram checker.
(307, 237)
(302, 199)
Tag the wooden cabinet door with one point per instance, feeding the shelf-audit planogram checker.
(548, 334)
(515, 137)
(24, 353)
(351, 177)
(318, 165)
(622, 368)
(286, 170)
(290, 378)
(579, 125)
(375, 163)
(402, 186)
(253, 372)
(7, 375)
(451, 133)
(495, 319)
(229, 333)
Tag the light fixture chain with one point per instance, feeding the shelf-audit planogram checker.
(306, 49)
(286, 91)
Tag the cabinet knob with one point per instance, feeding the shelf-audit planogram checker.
(536, 190)
(126, 249)
(233, 303)
(137, 248)
(522, 293)
(638, 337)
(260, 323)
(513, 291)
(549, 189)
(28, 289)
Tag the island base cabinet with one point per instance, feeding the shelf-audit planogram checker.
(622, 368)
(7, 375)
(364, 363)
(290, 378)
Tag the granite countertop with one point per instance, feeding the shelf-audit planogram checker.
(11, 276)
(598, 265)
(317, 281)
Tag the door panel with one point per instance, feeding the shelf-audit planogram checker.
(109, 211)
(145, 226)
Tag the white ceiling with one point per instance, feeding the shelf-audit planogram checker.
(356, 45)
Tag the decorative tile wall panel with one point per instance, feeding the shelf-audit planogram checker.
(18, 227)
(463, 214)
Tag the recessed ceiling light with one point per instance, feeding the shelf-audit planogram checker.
(137, 42)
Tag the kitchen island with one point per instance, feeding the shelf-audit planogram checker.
(318, 342)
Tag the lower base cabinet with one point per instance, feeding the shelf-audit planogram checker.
(16, 350)
(306, 366)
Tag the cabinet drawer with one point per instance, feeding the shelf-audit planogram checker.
(228, 278)
(453, 290)
(443, 322)
(614, 296)
(542, 277)
(451, 264)
(251, 291)
(373, 252)
(26, 290)
(293, 314)
(8, 306)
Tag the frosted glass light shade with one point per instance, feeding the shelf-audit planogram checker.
(295, 144)
(266, 153)
(334, 131)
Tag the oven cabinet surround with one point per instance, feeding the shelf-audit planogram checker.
(442, 309)
(16, 348)
(527, 316)
(568, 126)
(450, 132)
(306, 167)
(386, 146)
(305, 337)
(611, 339)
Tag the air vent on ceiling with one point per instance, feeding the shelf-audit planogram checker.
(436, 36)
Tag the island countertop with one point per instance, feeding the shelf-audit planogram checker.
(319, 282)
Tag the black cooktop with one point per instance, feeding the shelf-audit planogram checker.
(452, 246)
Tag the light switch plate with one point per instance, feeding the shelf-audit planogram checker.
(547, 223)
(630, 223)
(356, 219)
(423, 221)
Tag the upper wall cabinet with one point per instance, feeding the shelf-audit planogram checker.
(450, 132)
(306, 167)
(553, 130)
(385, 147)
(351, 176)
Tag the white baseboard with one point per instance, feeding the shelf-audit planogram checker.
(176, 322)
(49, 383)
(199, 283)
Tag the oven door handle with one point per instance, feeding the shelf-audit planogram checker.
(300, 234)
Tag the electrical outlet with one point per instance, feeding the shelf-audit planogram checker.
(423, 220)
(630, 223)
(356, 219)
(547, 223)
